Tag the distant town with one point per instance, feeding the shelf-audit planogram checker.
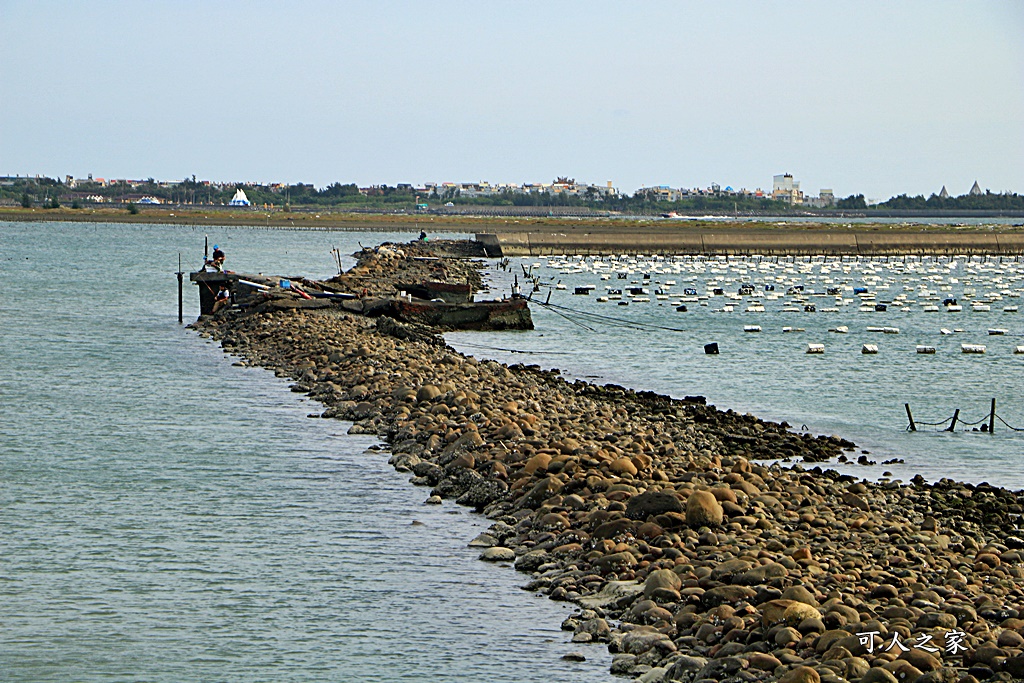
(785, 196)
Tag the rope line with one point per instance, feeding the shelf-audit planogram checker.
(1008, 425)
(607, 319)
(498, 348)
(965, 423)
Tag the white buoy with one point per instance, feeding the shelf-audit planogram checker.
(891, 330)
(815, 348)
(875, 329)
(869, 348)
(926, 349)
(751, 328)
(997, 331)
(972, 348)
(1018, 349)
(842, 329)
(945, 331)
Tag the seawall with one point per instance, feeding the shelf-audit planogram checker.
(745, 241)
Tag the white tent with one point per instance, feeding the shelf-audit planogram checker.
(239, 199)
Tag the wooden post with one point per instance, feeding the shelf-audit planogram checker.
(913, 427)
(992, 418)
(952, 425)
(179, 274)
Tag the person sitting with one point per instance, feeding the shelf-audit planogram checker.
(217, 261)
(222, 300)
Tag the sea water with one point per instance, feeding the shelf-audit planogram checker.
(168, 516)
(649, 345)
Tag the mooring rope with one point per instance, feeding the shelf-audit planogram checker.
(607, 319)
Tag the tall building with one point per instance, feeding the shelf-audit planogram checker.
(785, 189)
(976, 189)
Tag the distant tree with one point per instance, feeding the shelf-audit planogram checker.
(54, 204)
(26, 201)
(76, 204)
(854, 201)
(132, 208)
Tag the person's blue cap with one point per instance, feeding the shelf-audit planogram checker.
(216, 247)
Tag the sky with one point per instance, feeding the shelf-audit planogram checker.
(871, 97)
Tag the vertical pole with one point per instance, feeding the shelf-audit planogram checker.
(179, 274)
(913, 427)
(952, 425)
(992, 418)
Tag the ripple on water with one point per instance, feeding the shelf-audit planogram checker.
(169, 517)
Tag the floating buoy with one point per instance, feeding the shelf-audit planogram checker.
(981, 308)
(751, 328)
(972, 348)
(891, 330)
(1018, 349)
(997, 331)
(931, 308)
(869, 348)
(681, 308)
(944, 330)
(602, 299)
(793, 329)
(926, 349)
(880, 308)
(955, 308)
(711, 349)
(875, 329)
(1009, 309)
(815, 348)
(842, 329)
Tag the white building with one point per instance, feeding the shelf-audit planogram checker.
(785, 189)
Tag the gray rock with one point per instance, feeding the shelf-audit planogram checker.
(498, 554)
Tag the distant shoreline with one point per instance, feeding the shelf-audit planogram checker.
(535, 236)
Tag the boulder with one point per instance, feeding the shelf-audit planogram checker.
(801, 674)
(661, 579)
(652, 503)
(703, 509)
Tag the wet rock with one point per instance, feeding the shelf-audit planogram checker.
(482, 493)
(498, 554)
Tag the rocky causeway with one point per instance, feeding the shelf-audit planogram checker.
(688, 554)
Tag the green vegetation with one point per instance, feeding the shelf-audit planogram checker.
(1008, 201)
(854, 201)
(345, 197)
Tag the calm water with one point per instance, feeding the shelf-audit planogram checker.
(842, 392)
(167, 516)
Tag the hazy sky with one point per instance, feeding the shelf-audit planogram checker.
(873, 97)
